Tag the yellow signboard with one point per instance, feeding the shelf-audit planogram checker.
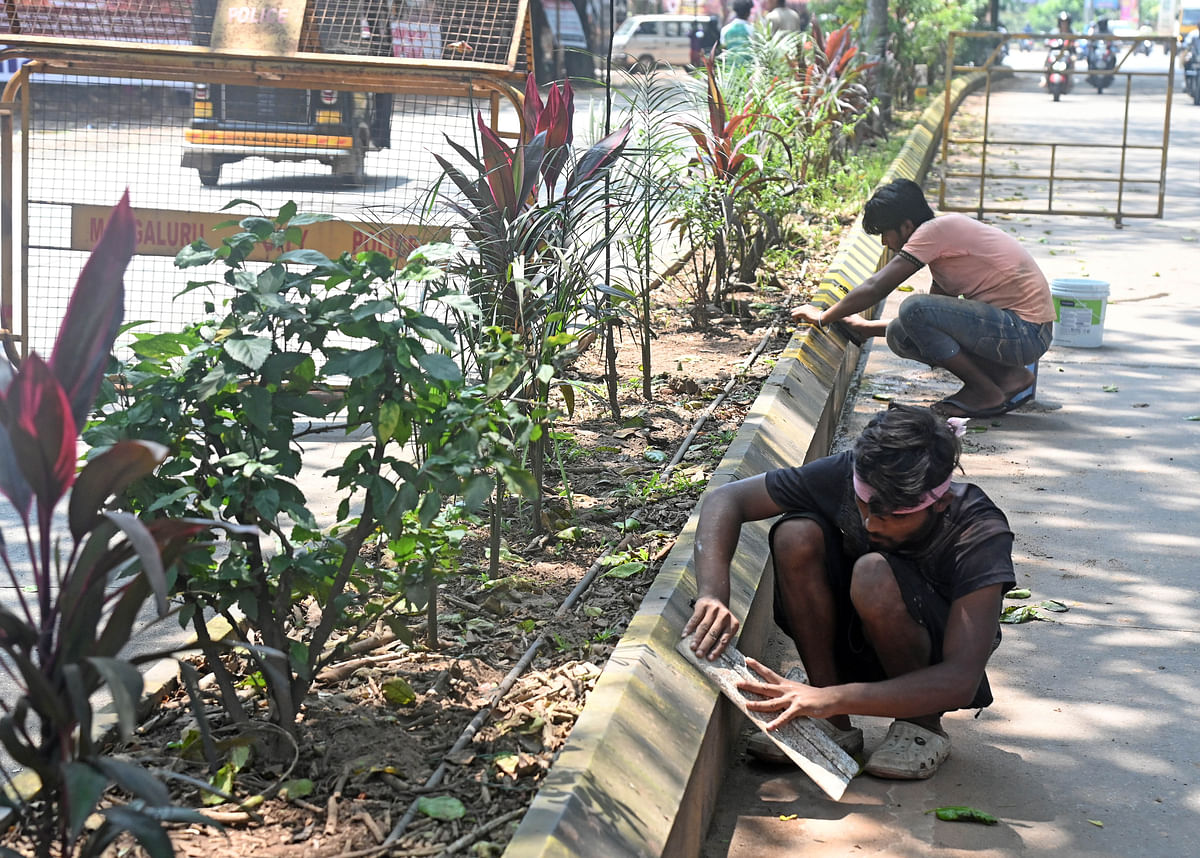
(165, 233)
(272, 26)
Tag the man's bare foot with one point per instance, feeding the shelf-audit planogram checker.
(1017, 380)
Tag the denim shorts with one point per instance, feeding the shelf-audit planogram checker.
(934, 328)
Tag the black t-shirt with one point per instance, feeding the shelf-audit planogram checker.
(970, 547)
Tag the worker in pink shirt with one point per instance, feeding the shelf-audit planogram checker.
(988, 314)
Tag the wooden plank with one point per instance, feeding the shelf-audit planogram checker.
(805, 744)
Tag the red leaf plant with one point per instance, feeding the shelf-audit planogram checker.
(63, 649)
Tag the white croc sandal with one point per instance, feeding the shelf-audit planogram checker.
(909, 752)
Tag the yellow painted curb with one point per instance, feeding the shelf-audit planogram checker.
(642, 769)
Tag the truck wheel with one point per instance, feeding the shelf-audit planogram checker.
(351, 171)
(645, 64)
(209, 175)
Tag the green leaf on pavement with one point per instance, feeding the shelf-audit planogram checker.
(963, 814)
(444, 807)
(1018, 593)
(1014, 614)
(1054, 605)
(1110, 388)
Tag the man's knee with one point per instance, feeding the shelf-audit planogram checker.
(900, 342)
(874, 590)
(797, 546)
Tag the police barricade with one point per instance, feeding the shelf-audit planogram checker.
(335, 105)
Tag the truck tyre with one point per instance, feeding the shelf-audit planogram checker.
(351, 171)
(210, 175)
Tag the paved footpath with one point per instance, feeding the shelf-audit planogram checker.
(1093, 745)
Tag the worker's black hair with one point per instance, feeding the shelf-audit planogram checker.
(903, 453)
(893, 204)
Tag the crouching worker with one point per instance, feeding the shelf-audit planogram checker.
(889, 578)
(988, 314)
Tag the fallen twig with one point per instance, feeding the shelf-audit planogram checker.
(478, 832)
(372, 826)
(232, 817)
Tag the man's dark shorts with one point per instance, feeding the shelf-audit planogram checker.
(856, 660)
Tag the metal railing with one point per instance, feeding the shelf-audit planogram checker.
(1139, 165)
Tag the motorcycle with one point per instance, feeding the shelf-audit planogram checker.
(1191, 68)
(1060, 63)
(1100, 58)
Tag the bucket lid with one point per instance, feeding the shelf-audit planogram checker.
(1079, 287)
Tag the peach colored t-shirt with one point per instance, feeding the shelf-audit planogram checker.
(982, 263)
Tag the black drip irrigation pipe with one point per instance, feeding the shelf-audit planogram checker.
(712, 407)
(586, 581)
(482, 715)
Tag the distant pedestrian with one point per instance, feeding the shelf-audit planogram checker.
(781, 18)
(735, 36)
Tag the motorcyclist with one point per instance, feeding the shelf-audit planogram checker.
(1191, 65)
(1100, 33)
(1060, 50)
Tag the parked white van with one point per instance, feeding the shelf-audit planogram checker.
(644, 40)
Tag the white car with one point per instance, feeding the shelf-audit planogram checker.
(644, 40)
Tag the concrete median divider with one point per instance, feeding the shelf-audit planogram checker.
(642, 769)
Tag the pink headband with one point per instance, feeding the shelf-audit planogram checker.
(958, 425)
(865, 493)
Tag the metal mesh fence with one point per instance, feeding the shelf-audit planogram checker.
(91, 138)
(464, 31)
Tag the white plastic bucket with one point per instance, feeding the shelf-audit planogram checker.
(1079, 305)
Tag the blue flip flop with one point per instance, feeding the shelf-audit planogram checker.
(1017, 401)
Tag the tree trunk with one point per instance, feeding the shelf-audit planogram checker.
(494, 534)
(873, 39)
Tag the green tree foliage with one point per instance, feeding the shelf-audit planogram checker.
(917, 35)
